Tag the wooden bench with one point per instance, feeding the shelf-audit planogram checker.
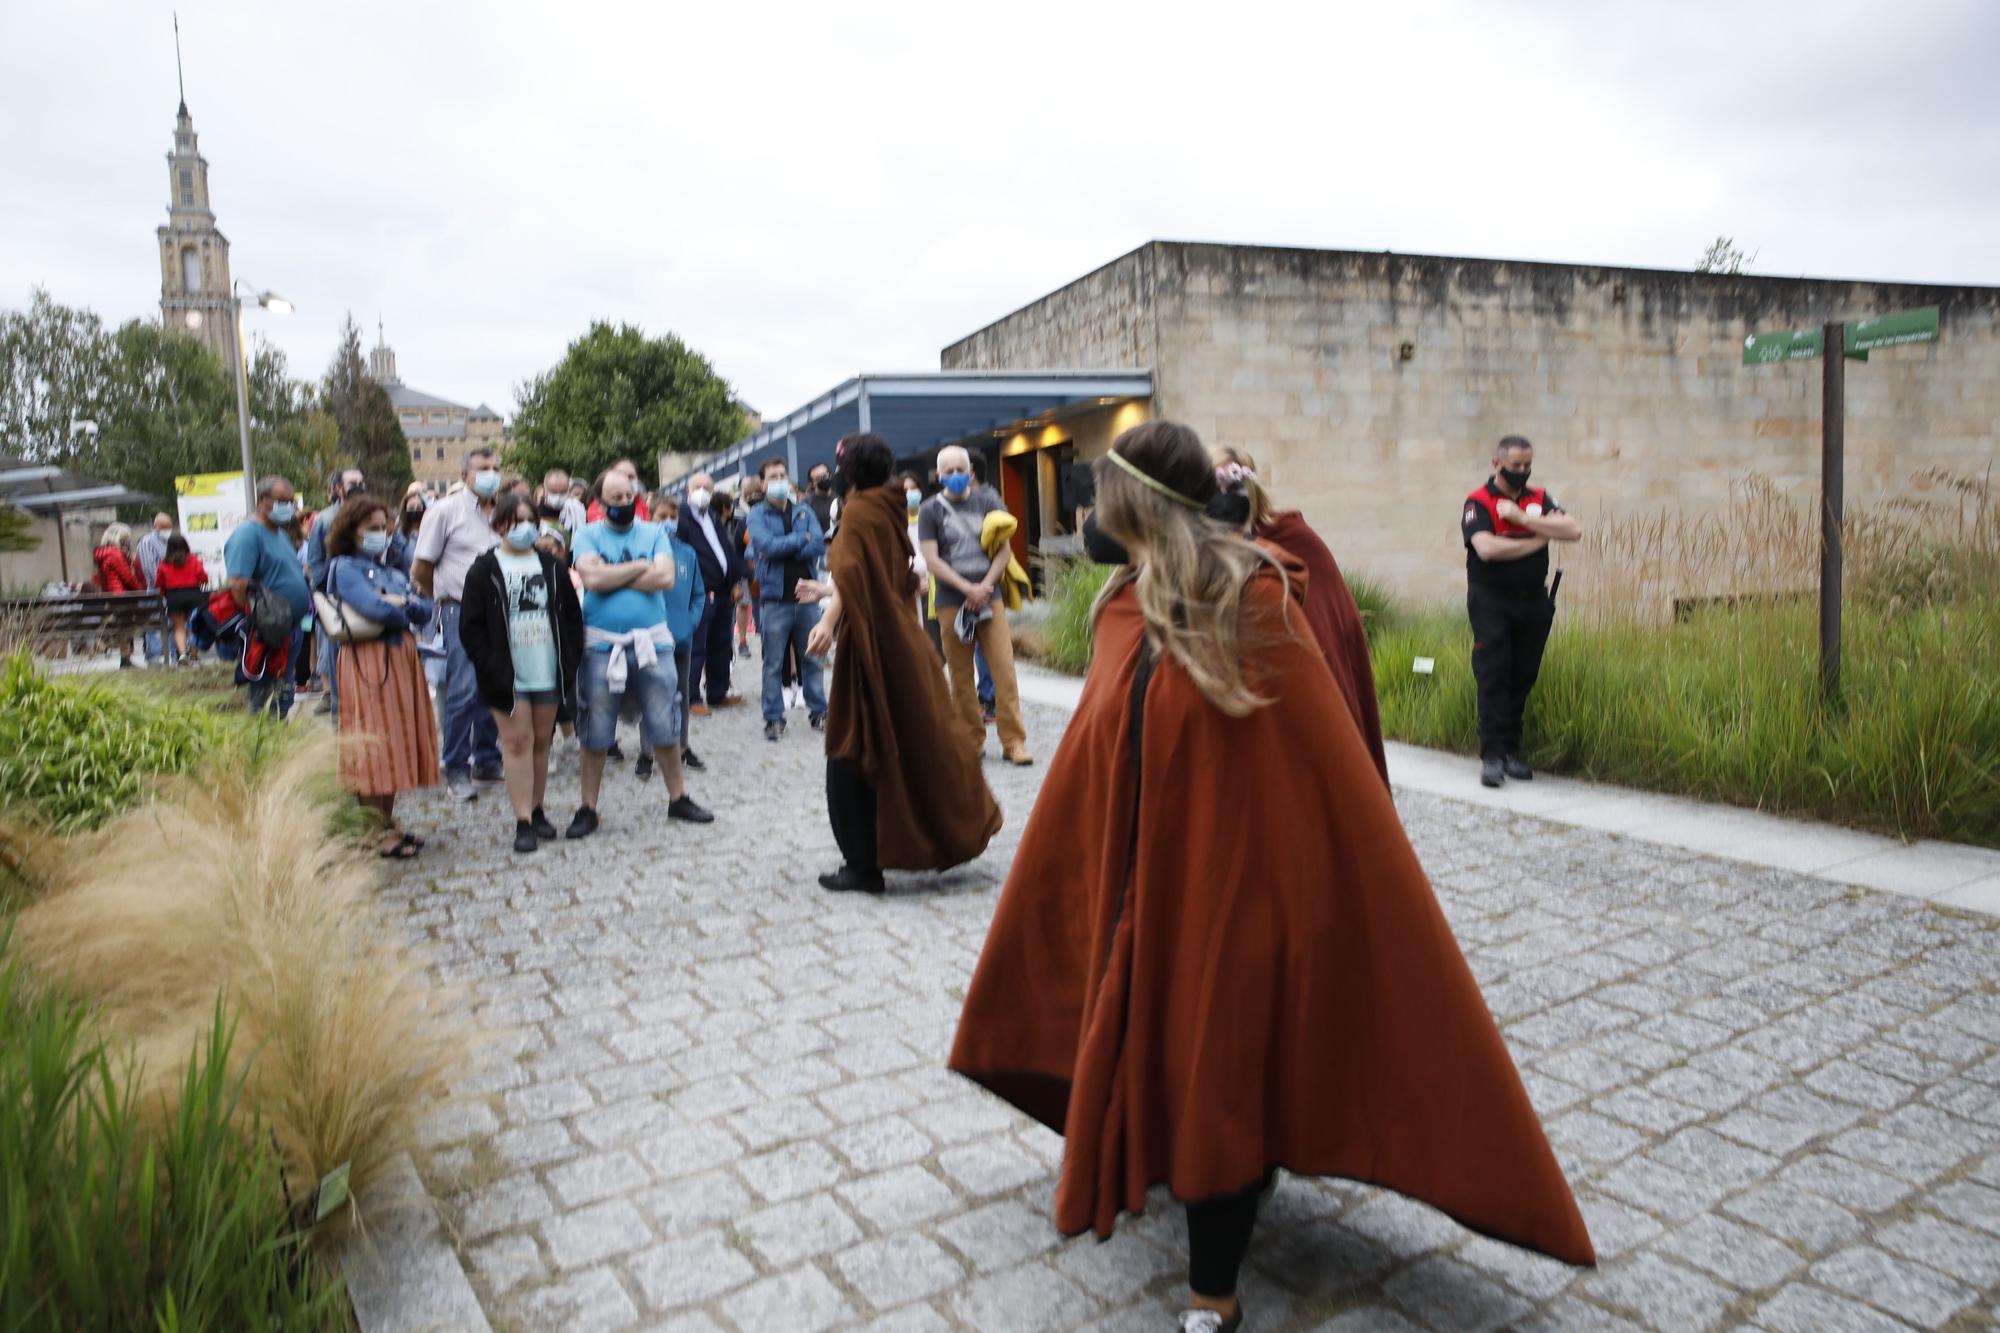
(110, 619)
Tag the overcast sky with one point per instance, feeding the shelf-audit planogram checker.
(807, 191)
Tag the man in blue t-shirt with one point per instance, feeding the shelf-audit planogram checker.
(626, 566)
(258, 554)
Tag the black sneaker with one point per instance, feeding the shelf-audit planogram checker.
(849, 880)
(1492, 771)
(1517, 769)
(584, 824)
(614, 754)
(817, 721)
(487, 777)
(685, 809)
(644, 768)
(524, 837)
(692, 761)
(774, 731)
(542, 827)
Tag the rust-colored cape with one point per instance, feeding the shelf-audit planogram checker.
(887, 711)
(1269, 983)
(1336, 624)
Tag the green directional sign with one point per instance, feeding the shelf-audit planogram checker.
(1764, 349)
(1910, 326)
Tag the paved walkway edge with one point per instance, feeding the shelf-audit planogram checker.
(406, 1277)
(1946, 873)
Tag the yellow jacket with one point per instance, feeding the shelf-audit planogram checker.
(999, 529)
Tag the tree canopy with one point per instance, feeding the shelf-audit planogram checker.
(619, 394)
(369, 434)
(164, 406)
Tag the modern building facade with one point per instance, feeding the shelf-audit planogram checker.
(1372, 387)
(194, 254)
(439, 430)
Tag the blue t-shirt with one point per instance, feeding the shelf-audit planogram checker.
(265, 557)
(627, 608)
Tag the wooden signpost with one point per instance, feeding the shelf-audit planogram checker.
(1835, 343)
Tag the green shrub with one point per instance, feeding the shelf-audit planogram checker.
(77, 751)
(1380, 612)
(109, 1221)
(1727, 707)
(1071, 594)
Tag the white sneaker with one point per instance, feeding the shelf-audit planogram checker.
(461, 789)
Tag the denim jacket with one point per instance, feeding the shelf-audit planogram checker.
(361, 583)
(776, 538)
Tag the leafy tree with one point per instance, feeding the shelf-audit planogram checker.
(1723, 256)
(169, 409)
(619, 394)
(365, 419)
(55, 363)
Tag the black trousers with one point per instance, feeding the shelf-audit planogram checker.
(712, 652)
(850, 807)
(1510, 630)
(684, 671)
(1219, 1237)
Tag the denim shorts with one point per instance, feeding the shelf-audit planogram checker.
(654, 687)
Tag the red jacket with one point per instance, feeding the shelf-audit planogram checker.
(188, 574)
(114, 571)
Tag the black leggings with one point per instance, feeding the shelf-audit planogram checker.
(850, 807)
(1219, 1237)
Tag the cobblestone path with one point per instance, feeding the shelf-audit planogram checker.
(716, 1097)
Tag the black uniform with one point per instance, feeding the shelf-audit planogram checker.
(1511, 614)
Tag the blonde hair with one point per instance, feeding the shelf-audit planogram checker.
(1188, 573)
(1260, 499)
(117, 535)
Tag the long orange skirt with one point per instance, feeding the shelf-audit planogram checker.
(388, 734)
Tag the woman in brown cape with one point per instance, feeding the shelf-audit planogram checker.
(902, 791)
(1330, 609)
(1216, 954)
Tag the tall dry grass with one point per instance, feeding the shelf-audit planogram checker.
(1938, 541)
(228, 881)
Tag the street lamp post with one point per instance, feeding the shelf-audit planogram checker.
(277, 305)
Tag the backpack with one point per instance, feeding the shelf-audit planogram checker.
(271, 617)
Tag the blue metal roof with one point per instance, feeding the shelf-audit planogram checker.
(918, 413)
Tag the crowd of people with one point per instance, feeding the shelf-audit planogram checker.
(1213, 878)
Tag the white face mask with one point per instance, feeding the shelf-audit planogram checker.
(699, 497)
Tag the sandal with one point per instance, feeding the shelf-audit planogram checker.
(404, 849)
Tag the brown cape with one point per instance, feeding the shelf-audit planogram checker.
(1257, 975)
(1336, 623)
(888, 711)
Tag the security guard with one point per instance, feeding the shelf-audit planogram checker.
(1508, 526)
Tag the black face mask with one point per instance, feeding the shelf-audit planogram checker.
(620, 516)
(1230, 509)
(1516, 480)
(824, 485)
(551, 508)
(1100, 546)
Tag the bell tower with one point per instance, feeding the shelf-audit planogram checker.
(194, 255)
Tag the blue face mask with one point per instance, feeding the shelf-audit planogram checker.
(779, 491)
(281, 512)
(486, 483)
(914, 499)
(374, 543)
(958, 483)
(522, 535)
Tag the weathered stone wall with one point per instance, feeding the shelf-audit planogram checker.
(1372, 386)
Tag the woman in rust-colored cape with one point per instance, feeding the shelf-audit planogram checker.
(1216, 954)
(1330, 609)
(902, 791)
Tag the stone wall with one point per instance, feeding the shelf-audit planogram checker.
(1373, 386)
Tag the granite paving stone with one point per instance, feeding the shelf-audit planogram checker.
(714, 1096)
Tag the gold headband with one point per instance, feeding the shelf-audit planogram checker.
(1154, 482)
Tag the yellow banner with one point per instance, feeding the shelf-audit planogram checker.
(208, 483)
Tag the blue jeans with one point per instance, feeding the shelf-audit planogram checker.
(329, 669)
(654, 687)
(470, 738)
(156, 645)
(985, 676)
(789, 622)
